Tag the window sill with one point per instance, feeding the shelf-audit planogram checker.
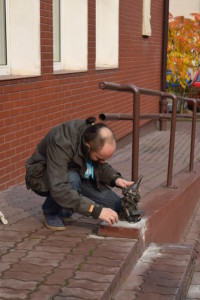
(106, 68)
(11, 77)
(60, 72)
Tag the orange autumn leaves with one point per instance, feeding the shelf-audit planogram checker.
(183, 49)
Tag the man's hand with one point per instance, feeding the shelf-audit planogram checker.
(108, 215)
(122, 183)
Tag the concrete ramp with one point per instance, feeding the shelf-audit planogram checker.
(167, 212)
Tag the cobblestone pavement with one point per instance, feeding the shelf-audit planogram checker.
(37, 263)
(193, 238)
(160, 273)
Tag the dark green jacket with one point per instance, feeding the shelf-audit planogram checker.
(60, 150)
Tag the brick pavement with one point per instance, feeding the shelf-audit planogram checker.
(37, 263)
(193, 238)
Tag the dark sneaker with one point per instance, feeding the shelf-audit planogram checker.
(66, 215)
(53, 222)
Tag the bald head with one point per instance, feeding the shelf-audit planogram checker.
(100, 141)
(104, 146)
(106, 136)
(96, 135)
(103, 136)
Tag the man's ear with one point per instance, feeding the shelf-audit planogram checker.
(88, 146)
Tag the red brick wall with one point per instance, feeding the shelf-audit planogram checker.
(29, 107)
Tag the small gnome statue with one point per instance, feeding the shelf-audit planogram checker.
(129, 201)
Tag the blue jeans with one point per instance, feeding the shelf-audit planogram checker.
(86, 187)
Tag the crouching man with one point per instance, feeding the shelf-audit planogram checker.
(68, 168)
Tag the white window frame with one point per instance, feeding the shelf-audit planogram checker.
(5, 69)
(58, 65)
(107, 34)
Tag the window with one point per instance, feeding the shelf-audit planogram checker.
(56, 31)
(107, 34)
(4, 43)
(20, 37)
(3, 55)
(70, 35)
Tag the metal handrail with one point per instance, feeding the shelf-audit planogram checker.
(131, 88)
(193, 133)
(136, 117)
(128, 117)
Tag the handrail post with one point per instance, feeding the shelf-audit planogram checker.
(193, 131)
(194, 118)
(163, 109)
(136, 126)
(136, 116)
(172, 140)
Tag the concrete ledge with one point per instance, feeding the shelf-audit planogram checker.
(162, 272)
(167, 212)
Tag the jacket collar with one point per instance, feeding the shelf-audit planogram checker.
(82, 147)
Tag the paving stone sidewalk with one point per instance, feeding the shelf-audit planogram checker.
(193, 238)
(160, 273)
(37, 263)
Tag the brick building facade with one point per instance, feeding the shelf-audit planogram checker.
(31, 105)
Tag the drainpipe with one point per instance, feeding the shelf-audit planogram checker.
(163, 102)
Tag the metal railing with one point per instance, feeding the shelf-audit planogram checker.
(136, 116)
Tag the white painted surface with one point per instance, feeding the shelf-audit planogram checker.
(184, 7)
(24, 35)
(107, 33)
(125, 224)
(146, 20)
(74, 36)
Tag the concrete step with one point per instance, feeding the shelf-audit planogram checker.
(163, 272)
(108, 262)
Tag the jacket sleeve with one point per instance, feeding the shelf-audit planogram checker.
(61, 190)
(107, 174)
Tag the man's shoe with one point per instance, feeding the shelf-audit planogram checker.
(66, 215)
(53, 222)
